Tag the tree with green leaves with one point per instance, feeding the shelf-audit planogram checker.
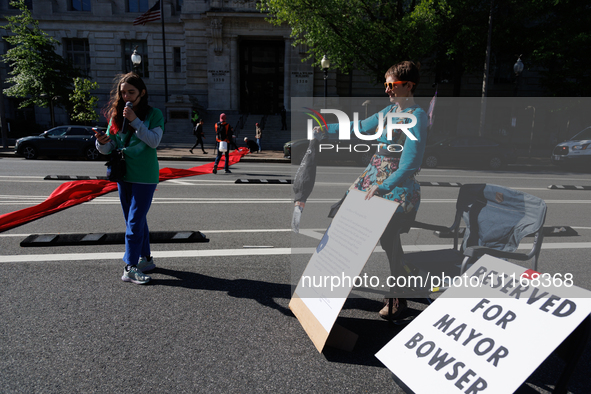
(38, 74)
(366, 35)
(559, 45)
(449, 36)
(83, 102)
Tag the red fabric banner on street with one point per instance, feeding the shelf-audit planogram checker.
(76, 192)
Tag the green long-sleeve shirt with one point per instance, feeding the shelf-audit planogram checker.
(140, 154)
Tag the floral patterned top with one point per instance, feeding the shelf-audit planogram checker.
(394, 175)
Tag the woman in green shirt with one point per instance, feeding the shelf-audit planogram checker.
(139, 183)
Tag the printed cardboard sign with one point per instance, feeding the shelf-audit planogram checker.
(487, 333)
(341, 254)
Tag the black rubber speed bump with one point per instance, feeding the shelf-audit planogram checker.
(72, 177)
(559, 231)
(450, 234)
(264, 181)
(444, 184)
(44, 240)
(569, 187)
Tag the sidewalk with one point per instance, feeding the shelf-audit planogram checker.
(180, 151)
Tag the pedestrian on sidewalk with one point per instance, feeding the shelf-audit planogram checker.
(258, 136)
(223, 136)
(136, 190)
(283, 118)
(251, 145)
(194, 117)
(198, 132)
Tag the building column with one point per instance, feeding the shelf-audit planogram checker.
(287, 75)
(234, 74)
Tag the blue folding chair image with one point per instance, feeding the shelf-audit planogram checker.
(496, 220)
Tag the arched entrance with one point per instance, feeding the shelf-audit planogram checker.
(261, 76)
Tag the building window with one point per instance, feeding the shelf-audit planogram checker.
(142, 49)
(179, 5)
(177, 59)
(137, 6)
(80, 5)
(77, 51)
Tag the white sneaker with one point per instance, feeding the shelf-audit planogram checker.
(146, 265)
(135, 276)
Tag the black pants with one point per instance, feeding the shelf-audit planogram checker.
(198, 142)
(390, 241)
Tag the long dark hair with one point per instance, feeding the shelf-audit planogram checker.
(113, 111)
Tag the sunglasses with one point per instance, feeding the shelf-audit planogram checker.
(392, 84)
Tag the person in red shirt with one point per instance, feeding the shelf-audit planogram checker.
(223, 133)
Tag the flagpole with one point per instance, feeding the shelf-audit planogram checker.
(164, 54)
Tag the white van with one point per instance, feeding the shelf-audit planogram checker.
(574, 151)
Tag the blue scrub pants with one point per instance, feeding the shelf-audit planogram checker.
(136, 199)
(227, 160)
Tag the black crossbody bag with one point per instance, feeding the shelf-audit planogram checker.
(116, 165)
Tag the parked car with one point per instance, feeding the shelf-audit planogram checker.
(67, 140)
(575, 151)
(332, 151)
(469, 151)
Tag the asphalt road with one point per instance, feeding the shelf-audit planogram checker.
(215, 317)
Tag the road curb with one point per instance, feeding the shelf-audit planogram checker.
(169, 154)
(162, 156)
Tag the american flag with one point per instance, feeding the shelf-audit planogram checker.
(153, 14)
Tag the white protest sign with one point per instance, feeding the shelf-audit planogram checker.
(334, 267)
(489, 333)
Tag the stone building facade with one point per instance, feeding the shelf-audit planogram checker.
(221, 55)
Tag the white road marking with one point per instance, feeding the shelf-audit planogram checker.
(163, 254)
(179, 182)
(33, 200)
(240, 252)
(315, 233)
(312, 233)
(206, 232)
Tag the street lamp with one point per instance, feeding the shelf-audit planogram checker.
(325, 65)
(517, 69)
(365, 104)
(531, 136)
(136, 59)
